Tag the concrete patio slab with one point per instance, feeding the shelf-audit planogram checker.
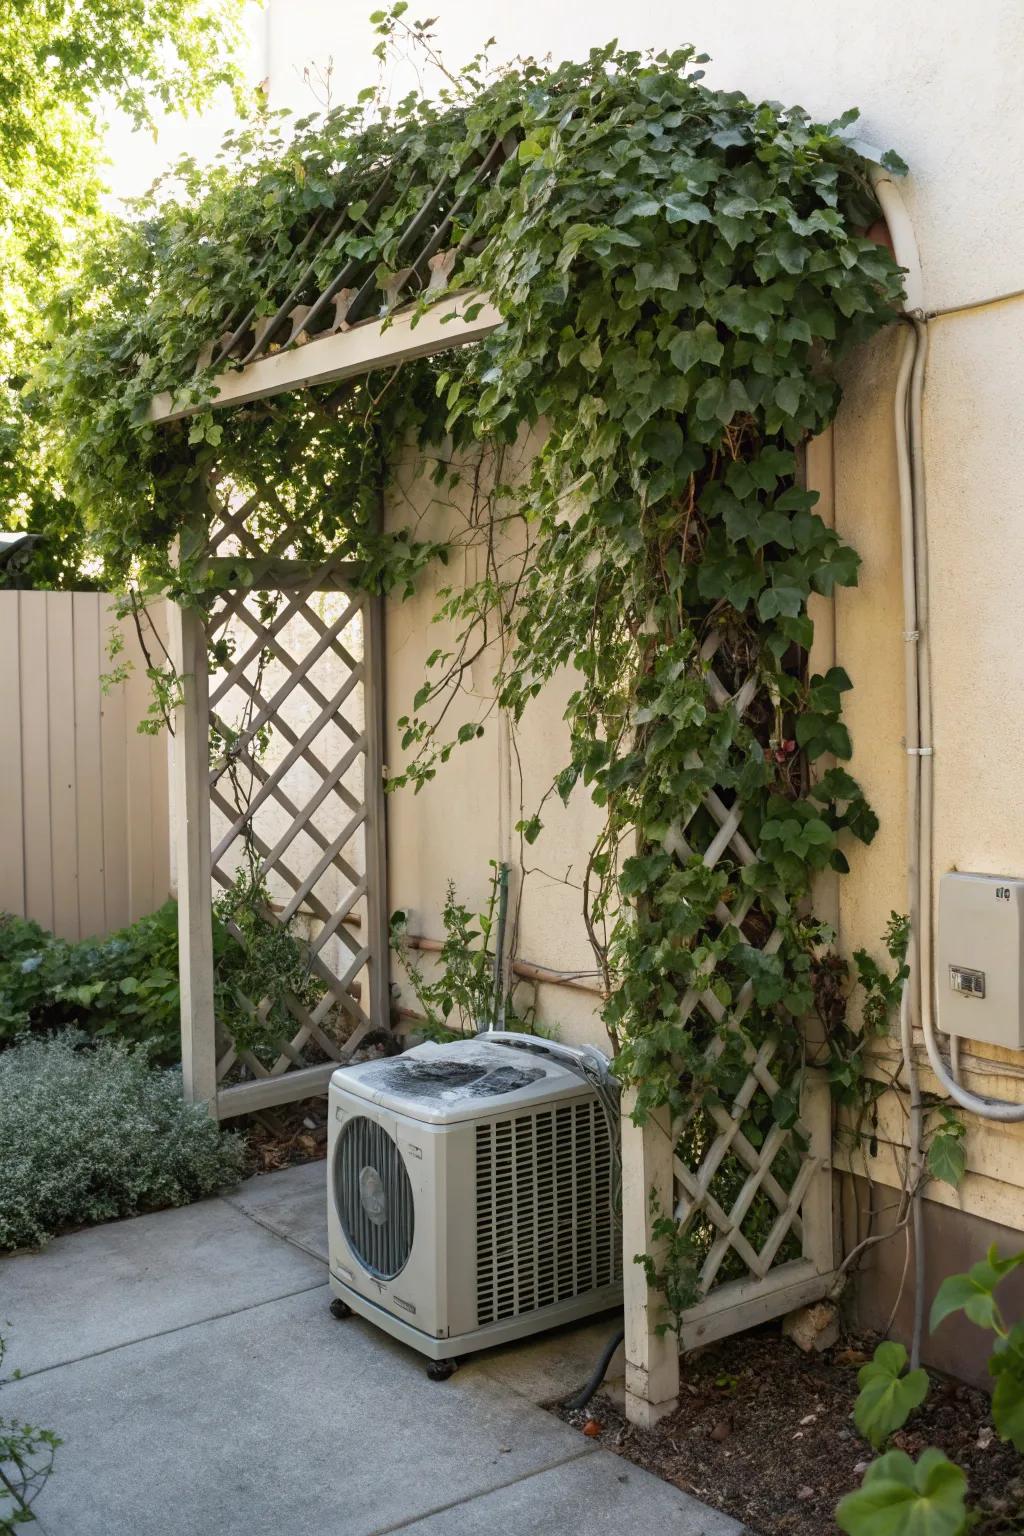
(292, 1203)
(126, 1280)
(589, 1494)
(550, 1366)
(277, 1419)
(202, 1388)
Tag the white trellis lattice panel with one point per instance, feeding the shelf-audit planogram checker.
(750, 1189)
(293, 803)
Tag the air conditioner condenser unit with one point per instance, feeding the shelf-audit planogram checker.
(473, 1192)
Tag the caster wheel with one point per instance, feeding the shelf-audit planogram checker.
(340, 1309)
(440, 1370)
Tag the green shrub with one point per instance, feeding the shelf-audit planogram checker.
(92, 1132)
(124, 987)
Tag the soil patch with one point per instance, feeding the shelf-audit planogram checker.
(284, 1135)
(297, 1133)
(766, 1434)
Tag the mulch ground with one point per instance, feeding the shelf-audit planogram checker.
(766, 1433)
(287, 1134)
(297, 1133)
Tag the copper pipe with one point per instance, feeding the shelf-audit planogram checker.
(524, 969)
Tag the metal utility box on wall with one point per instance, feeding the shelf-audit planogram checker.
(980, 953)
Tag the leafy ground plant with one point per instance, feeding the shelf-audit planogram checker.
(901, 1497)
(92, 1132)
(459, 998)
(125, 987)
(26, 1461)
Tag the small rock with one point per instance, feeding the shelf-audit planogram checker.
(985, 1434)
(720, 1431)
(815, 1327)
(844, 1434)
(860, 1468)
(593, 1428)
(805, 1492)
(808, 1418)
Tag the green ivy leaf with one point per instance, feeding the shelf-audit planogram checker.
(895, 163)
(947, 1159)
(887, 1398)
(681, 208)
(786, 1108)
(701, 345)
(783, 597)
(788, 394)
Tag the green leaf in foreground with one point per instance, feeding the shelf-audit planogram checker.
(974, 1293)
(887, 1398)
(899, 1498)
(1007, 1367)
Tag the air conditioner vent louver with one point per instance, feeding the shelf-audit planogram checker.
(374, 1197)
(546, 1228)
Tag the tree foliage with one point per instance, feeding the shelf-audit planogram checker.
(62, 64)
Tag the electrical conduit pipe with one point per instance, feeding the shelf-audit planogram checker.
(914, 551)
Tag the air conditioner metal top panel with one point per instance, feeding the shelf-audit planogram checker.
(462, 1080)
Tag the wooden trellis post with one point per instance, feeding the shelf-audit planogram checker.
(648, 1189)
(191, 810)
(377, 906)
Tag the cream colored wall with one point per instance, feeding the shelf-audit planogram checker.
(466, 816)
(942, 83)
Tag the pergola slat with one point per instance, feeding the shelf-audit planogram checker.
(374, 344)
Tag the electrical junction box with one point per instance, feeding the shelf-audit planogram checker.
(980, 980)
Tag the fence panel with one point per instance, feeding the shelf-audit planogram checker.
(84, 828)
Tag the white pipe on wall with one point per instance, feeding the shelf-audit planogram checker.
(920, 781)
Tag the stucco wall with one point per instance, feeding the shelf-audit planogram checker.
(940, 82)
(466, 816)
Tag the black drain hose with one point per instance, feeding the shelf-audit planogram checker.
(582, 1398)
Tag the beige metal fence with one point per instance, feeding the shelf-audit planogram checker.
(84, 845)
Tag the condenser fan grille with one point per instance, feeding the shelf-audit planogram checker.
(546, 1225)
(374, 1196)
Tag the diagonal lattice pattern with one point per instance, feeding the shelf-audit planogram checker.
(291, 800)
(738, 1190)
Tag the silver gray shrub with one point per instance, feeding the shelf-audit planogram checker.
(92, 1132)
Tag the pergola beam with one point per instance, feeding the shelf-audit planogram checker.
(374, 344)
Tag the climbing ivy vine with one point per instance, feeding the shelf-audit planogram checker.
(679, 270)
